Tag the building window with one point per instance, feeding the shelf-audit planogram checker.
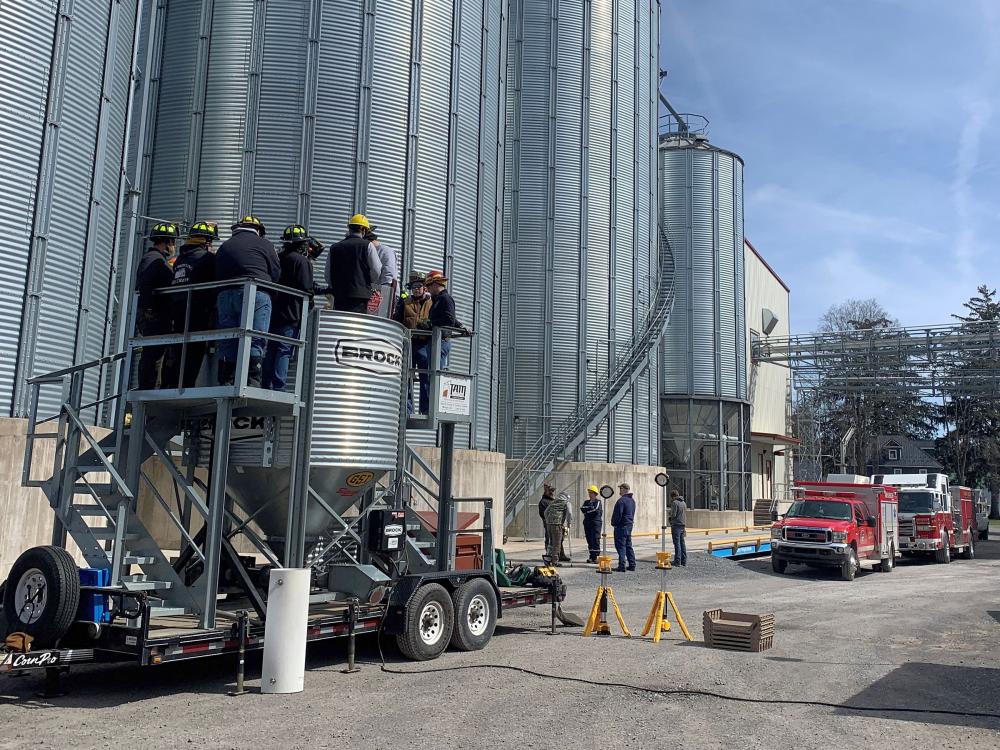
(897, 471)
(923, 471)
(706, 450)
(894, 454)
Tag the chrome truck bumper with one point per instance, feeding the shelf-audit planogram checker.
(909, 544)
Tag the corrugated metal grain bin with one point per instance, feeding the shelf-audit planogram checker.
(580, 225)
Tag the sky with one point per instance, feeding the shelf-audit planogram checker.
(870, 130)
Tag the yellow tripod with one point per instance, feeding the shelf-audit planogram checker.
(657, 620)
(598, 620)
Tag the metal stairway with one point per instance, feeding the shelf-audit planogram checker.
(541, 458)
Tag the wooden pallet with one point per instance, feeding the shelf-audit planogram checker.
(738, 632)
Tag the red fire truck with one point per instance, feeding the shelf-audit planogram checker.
(933, 517)
(834, 524)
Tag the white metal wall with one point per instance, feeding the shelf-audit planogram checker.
(704, 348)
(311, 110)
(66, 69)
(579, 252)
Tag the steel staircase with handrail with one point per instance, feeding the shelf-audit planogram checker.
(541, 458)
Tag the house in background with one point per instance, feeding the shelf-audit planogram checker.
(898, 454)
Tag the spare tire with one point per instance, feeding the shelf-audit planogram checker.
(42, 594)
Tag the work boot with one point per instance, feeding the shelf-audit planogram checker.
(227, 370)
(255, 373)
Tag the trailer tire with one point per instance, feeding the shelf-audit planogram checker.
(890, 562)
(475, 615)
(430, 621)
(42, 594)
(850, 567)
(970, 551)
(778, 566)
(943, 555)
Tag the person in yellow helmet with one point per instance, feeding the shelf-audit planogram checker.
(353, 267)
(593, 518)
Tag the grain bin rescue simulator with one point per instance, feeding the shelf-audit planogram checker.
(318, 477)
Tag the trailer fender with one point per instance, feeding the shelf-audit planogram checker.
(407, 586)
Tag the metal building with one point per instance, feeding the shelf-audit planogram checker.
(308, 111)
(65, 96)
(580, 248)
(706, 415)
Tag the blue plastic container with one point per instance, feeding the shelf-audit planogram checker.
(94, 606)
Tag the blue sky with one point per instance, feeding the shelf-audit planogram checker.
(871, 135)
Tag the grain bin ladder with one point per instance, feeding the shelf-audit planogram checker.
(541, 458)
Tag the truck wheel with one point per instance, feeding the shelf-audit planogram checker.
(970, 551)
(943, 555)
(778, 566)
(890, 562)
(475, 615)
(850, 567)
(430, 620)
(42, 594)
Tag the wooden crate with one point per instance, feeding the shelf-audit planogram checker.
(737, 631)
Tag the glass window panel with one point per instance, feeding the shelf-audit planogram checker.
(733, 455)
(705, 419)
(732, 418)
(706, 455)
(707, 492)
(681, 481)
(675, 417)
(676, 452)
(734, 491)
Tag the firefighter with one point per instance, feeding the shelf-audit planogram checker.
(195, 264)
(556, 519)
(247, 254)
(286, 318)
(412, 308)
(154, 318)
(441, 315)
(353, 268)
(593, 517)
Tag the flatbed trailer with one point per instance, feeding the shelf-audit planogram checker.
(150, 640)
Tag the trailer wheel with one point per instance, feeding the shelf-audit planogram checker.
(850, 567)
(890, 562)
(430, 621)
(943, 555)
(778, 566)
(42, 594)
(475, 615)
(970, 551)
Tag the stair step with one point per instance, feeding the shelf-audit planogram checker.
(102, 489)
(144, 583)
(109, 533)
(93, 510)
(87, 468)
(138, 560)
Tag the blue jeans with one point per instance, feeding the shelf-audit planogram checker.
(623, 544)
(230, 309)
(279, 354)
(678, 534)
(421, 360)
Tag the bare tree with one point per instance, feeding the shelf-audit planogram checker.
(856, 315)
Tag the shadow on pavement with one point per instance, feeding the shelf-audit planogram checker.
(934, 686)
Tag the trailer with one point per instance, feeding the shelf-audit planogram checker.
(320, 476)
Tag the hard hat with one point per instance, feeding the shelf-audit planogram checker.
(435, 277)
(295, 233)
(204, 229)
(163, 232)
(359, 220)
(593, 488)
(250, 222)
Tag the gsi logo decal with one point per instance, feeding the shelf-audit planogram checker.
(376, 356)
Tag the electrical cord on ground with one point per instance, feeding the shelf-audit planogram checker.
(686, 692)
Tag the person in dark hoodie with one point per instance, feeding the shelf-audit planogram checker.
(286, 317)
(622, 518)
(154, 314)
(247, 254)
(593, 518)
(441, 315)
(195, 264)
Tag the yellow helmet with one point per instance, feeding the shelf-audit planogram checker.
(593, 488)
(359, 220)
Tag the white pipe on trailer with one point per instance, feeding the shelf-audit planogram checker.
(284, 665)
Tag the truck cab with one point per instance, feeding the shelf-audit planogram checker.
(934, 519)
(830, 524)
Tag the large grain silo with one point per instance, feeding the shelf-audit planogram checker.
(310, 110)
(65, 93)
(706, 417)
(580, 223)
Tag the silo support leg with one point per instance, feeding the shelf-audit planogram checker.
(216, 509)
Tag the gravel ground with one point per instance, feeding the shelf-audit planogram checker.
(923, 637)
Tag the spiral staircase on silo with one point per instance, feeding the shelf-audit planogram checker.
(554, 446)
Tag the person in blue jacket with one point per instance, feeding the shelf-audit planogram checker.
(622, 518)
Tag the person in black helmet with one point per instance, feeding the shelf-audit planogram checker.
(195, 264)
(247, 254)
(153, 315)
(286, 318)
